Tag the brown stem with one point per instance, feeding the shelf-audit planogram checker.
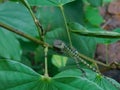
(9, 28)
(92, 60)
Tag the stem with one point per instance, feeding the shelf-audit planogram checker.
(97, 67)
(39, 26)
(92, 60)
(9, 28)
(65, 21)
(46, 63)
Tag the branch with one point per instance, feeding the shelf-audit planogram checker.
(92, 60)
(9, 28)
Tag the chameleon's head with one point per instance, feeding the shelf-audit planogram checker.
(59, 45)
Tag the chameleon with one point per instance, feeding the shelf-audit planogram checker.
(73, 53)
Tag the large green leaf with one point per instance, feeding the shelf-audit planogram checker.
(81, 83)
(9, 45)
(49, 2)
(104, 83)
(16, 76)
(17, 16)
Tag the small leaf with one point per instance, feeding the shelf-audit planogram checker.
(93, 16)
(59, 61)
(80, 30)
(95, 3)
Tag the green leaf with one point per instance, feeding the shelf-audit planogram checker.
(74, 11)
(81, 83)
(57, 33)
(101, 81)
(95, 3)
(49, 2)
(78, 73)
(100, 35)
(50, 17)
(17, 16)
(59, 61)
(9, 45)
(93, 16)
(16, 76)
(85, 84)
(80, 30)
(39, 54)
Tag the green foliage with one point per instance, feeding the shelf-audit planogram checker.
(18, 76)
(7, 41)
(93, 16)
(102, 35)
(25, 63)
(12, 11)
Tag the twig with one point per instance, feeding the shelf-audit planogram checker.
(9, 28)
(92, 60)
